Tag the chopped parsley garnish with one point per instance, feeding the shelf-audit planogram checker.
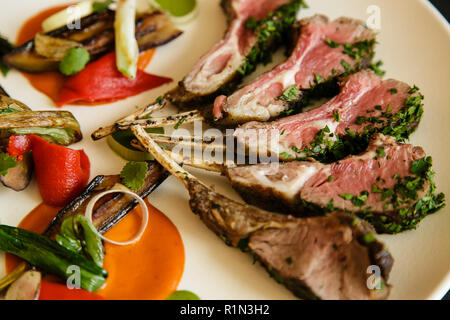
(421, 166)
(318, 78)
(133, 175)
(291, 94)
(74, 61)
(270, 32)
(346, 196)
(289, 260)
(336, 116)
(381, 152)
(358, 201)
(394, 91)
(413, 90)
(345, 65)
(285, 155)
(368, 238)
(376, 189)
(332, 44)
(331, 205)
(330, 178)
(7, 162)
(376, 68)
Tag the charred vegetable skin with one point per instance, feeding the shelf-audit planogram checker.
(108, 211)
(58, 127)
(50, 256)
(111, 208)
(5, 48)
(17, 118)
(97, 37)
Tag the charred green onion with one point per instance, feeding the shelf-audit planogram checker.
(51, 257)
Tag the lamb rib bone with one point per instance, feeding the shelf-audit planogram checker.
(290, 248)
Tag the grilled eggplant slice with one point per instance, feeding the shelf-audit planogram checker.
(111, 208)
(97, 36)
(19, 178)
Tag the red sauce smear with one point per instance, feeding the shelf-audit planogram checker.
(149, 269)
(51, 83)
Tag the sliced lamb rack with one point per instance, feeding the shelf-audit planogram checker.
(343, 125)
(324, 51)
(390, 185)
(365, 106)
(316, 258)
(239, 51)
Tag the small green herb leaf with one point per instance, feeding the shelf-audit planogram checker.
(318, 78)
(332, 44)
(7, 162)
(74, 61)
(133, 174)
(291, 94)
(346, 196)
(336, 116)
(381, 152)
(368, 238)
(421, 166)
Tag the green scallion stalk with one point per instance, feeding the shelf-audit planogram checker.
(51, 257)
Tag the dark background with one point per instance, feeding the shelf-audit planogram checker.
(444, 7)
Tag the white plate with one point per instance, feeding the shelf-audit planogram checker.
(415, 46)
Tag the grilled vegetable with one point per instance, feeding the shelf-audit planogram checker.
(120, 143)
(61, 172)
(53, 48)
(58, 127)
(96, 35)
(101, 81)
(79, 235)
(127, 51)
(5, 48)
(111, 208)
(9, 105)
(19, 177)
(49, 256)
(69, 14)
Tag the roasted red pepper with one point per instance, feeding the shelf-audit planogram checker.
(56, 291)
(101, 81)
(61, 173)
